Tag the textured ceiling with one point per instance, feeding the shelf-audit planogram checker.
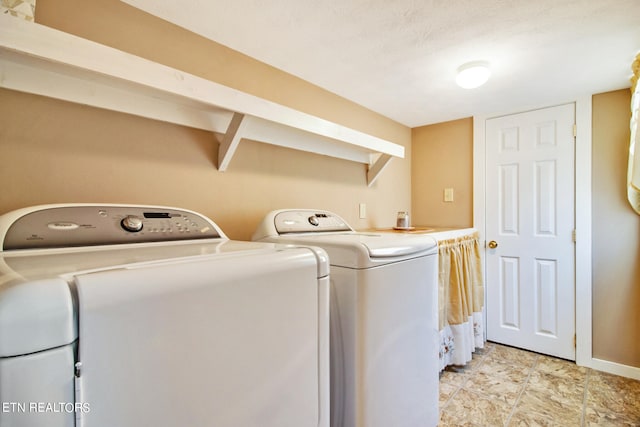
(399, 57)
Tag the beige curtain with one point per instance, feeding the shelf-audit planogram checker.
(23, 9)
(461, 299)
(633, 170)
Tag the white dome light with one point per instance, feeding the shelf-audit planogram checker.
(473, 74)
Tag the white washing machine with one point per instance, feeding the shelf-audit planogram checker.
(384, 330)
(150, 316)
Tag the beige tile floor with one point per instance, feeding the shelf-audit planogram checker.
(504, 386)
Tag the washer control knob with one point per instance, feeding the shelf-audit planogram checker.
(313, 220)
(132, 223)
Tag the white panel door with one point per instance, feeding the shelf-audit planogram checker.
(530, 217)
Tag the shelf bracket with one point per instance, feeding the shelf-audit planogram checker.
(230, 141)
(376, 167)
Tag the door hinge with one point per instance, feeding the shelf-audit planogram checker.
(573, 235)
(575, 341)
(575, 130)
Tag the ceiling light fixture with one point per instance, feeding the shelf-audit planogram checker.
(473, 74)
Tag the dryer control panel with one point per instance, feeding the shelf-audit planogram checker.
(308, 221)
(57, 226)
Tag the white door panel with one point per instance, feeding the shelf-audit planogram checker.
(530, 215)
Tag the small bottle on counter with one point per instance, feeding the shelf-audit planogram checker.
(403, 220)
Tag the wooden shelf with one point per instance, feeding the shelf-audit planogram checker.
(44, 61)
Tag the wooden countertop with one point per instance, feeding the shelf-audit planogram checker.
(438, 233)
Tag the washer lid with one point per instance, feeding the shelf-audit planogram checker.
(388, 245)
(364, 250)
(36, 302)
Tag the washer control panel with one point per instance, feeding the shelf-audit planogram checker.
(54, 226)
(309, 221)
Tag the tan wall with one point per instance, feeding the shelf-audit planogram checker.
(52, 151)
(442, 157)
(616, 235)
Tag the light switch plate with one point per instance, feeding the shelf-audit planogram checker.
(362, 208)
(448, 194)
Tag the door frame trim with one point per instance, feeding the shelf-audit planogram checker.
(582, 169)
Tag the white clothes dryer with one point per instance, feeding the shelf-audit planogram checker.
(384, 331)
(126, 316)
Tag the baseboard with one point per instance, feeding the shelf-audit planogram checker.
(615, 368)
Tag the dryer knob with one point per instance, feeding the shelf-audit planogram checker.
(132, 223)
(313, 220)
